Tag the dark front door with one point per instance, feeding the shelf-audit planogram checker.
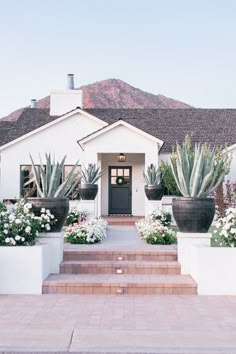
(120, 190)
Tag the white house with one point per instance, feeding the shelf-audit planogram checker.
(99, 136)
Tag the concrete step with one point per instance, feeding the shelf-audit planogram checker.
(119, 284)
(122, 255)
(119, 267)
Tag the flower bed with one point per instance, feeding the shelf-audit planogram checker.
(154, 229)
(225, 233)
(75, 217)
(87, 232)
(164, 217)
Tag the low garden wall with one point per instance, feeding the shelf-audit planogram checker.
(213, 268)
(23, 269)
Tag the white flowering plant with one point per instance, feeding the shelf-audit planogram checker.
(153, 232)
(20, 226)
(75, 216)
(225, 233)
(164, 217)
(86, 232)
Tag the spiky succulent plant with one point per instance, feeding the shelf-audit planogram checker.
(200, 170)
(90, 174)
(152, 176)
(48, 178)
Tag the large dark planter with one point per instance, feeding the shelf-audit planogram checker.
(193, 214)
(59, 207)
(154, 192)
(88, 191)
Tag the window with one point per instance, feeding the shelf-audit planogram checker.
(28, 186)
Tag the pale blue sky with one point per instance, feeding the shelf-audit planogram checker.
(182, 49)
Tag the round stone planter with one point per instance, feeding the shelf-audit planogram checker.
(59, 207)
(88, 191)
(193, 214)
(154, 192)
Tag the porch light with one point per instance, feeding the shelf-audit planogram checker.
(121, 158)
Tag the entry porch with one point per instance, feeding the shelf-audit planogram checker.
(123, 152)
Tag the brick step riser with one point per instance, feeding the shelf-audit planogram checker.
(108, 257)
(113, 270)
(116, 290)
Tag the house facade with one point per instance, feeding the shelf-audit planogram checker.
(123, 142)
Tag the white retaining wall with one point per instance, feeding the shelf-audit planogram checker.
(23, 269)
(213, 268)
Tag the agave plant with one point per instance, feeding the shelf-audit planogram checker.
(48, 178)
(152, 176)
(200, 170)
(90, 174)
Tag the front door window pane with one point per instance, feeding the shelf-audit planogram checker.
(113, 180)
(113, 172)
(126, 172)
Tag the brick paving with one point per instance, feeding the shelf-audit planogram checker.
(118, 324)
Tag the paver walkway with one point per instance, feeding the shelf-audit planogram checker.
(118, 324)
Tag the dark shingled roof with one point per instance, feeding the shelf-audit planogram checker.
(29, 120)
(215, 126)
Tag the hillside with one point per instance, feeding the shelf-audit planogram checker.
(114, 93)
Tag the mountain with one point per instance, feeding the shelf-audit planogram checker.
(114, 93)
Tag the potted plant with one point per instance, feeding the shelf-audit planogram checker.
(52, 190)
(88, 188)
(198, 172)
(153, 188)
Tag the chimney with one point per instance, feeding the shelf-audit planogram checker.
(70, 82)
(64, 101)
(33, 103)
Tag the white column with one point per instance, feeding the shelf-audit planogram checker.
(186, 242)
(89, 206)
(55, 241)
(151, 205)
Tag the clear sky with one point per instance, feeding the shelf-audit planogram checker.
(184, 49)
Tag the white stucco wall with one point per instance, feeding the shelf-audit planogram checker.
(123, 139)
(59, 139)
(164, 157)
(137, 162)
(65, 101)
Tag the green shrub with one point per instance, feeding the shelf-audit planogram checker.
(168, 180)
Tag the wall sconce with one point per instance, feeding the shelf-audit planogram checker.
(121, 158)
